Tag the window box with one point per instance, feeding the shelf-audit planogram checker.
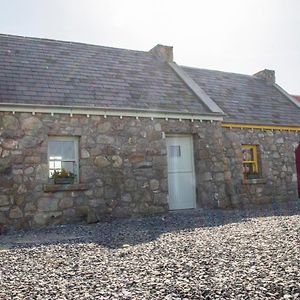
(64, 180)
(251, 176)
(63, 177)
(52, 188)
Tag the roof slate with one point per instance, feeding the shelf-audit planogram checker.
(49, 72)
(246, 99)
(40, 71)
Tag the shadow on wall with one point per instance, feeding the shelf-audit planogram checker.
(122, 232)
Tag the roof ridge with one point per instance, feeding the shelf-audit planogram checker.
(218, 71)
(65, 42)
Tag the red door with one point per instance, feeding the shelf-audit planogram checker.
(297, 153)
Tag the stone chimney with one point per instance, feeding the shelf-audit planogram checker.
(164, 53)
(266, 74)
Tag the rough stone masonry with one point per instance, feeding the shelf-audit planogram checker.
(123, 167)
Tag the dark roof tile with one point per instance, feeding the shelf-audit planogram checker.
(63, 73)
(39, 71)
(246, 99)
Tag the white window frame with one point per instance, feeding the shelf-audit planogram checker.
(73, 139)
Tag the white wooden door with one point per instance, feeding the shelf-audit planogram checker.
(181, 174)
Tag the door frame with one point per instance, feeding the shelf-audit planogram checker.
(192, 157)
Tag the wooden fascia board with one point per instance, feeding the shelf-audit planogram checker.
(89, 111)
(260, 127)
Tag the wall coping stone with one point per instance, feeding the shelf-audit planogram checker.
(65, 187)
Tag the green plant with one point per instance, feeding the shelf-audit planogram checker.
(62, 174)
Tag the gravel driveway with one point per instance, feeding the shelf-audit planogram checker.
(206, 254)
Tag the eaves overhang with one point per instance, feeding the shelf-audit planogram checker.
(105, 111)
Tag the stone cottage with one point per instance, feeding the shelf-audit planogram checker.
(88, 132)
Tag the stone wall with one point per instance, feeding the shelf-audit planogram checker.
(210, 167)
(123, 167)
(276, 156)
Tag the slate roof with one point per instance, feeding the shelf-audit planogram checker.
(246, 99)
(49, 72)
(40, 71)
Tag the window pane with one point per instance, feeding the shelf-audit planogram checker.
(248, 154)
(69, 166)
(61, 150)
(57, 164)
(54, 148)
(51, 164)
(248, 168)
(174, 151)
(68, 151)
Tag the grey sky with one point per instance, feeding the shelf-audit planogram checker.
(233, 35)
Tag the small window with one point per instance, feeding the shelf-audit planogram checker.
(174, 151)
(63, 159)
(250, 161)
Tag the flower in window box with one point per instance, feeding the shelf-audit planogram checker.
(63, 177)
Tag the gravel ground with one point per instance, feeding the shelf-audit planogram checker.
(206, 254)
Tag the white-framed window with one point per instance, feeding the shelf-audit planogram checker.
(63, 155)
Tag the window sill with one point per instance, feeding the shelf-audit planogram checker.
(65, 187)
(255, 181)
